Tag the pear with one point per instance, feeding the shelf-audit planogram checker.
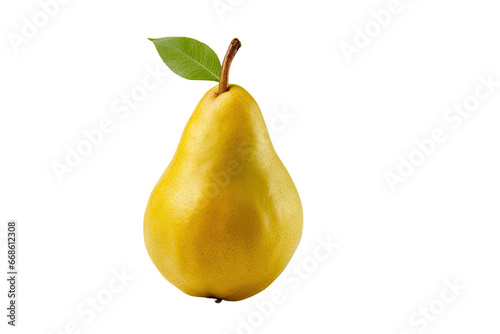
(225, 217)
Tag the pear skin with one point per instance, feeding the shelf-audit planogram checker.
(225, 217)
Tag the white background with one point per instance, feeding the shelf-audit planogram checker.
(349, 123)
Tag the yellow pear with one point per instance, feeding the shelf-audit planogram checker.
(225, 217)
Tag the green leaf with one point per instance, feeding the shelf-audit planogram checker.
(188, 58)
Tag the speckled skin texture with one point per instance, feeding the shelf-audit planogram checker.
(225, 217)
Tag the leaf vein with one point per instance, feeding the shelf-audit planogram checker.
(215, 76)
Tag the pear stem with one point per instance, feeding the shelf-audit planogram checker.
(218, 300)
(224, 73)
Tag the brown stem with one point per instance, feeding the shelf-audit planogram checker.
(224, 73)
(218, 300)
